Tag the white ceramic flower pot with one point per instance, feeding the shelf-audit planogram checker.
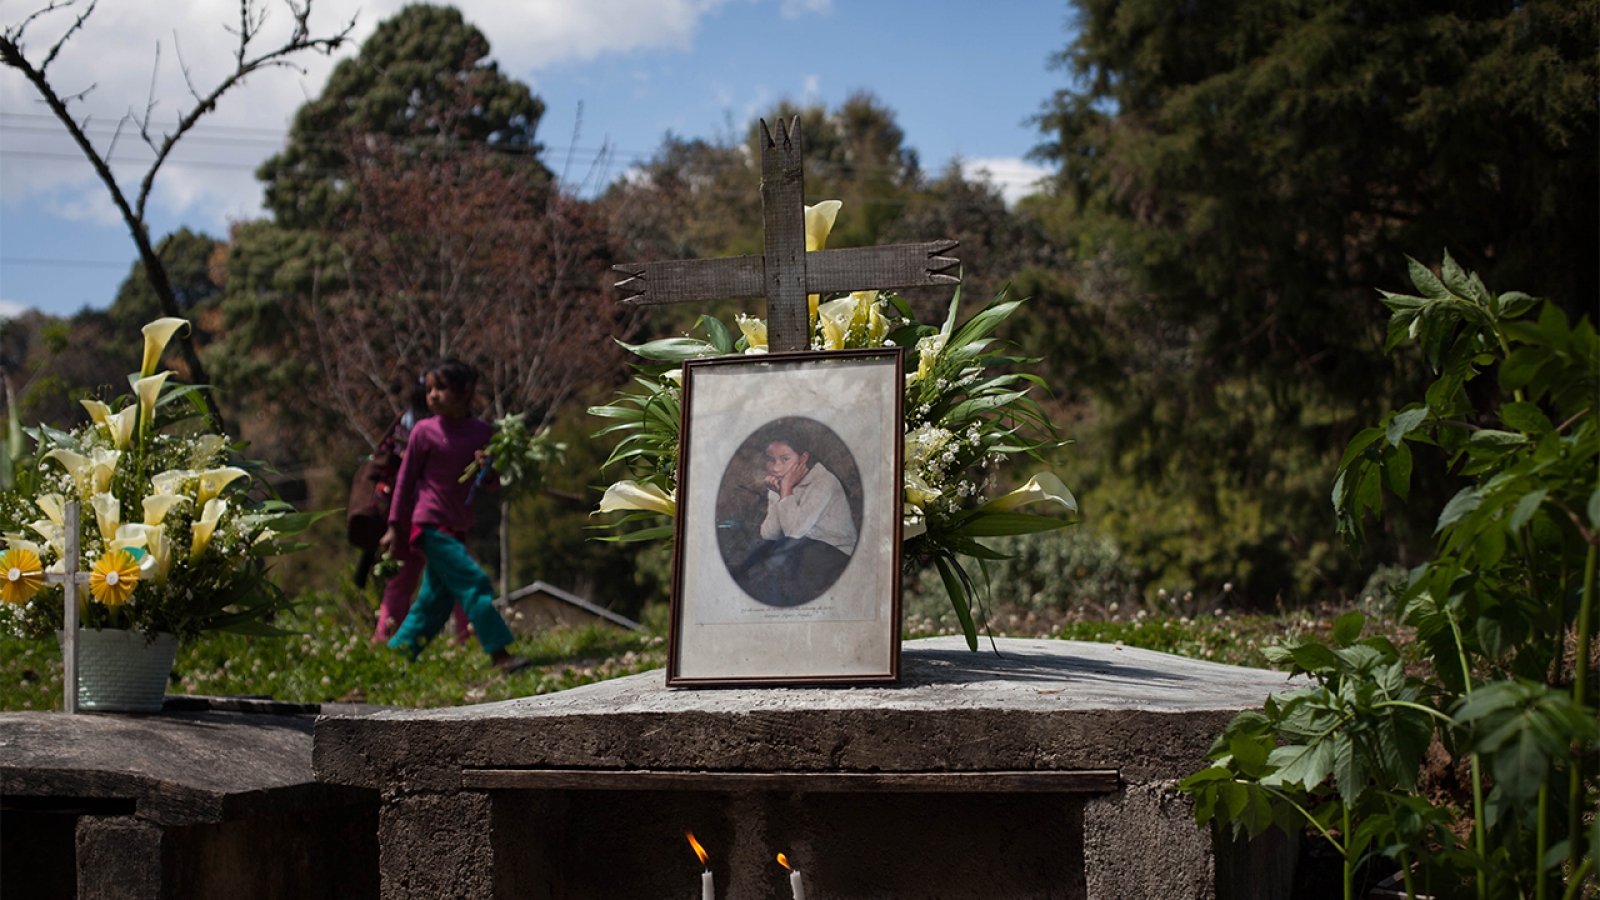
(123, 671)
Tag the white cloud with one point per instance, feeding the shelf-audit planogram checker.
(209, 179)
(10, 310)
(794, 9)
(812, 89)
(1016, 178)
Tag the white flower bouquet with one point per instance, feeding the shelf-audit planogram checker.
(168, 527)
(967, 411)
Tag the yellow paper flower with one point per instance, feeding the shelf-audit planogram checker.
(107, 512)
(23, 574)
(212, 481)
(156, 336)
(633, 495)
(1043, 486)
(205, 526)
(156, 506)
(148, 390)
(114, 577)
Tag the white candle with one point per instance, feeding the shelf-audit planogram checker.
(797, 886)
(708, 891)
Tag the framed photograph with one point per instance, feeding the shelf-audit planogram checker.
(786, 566)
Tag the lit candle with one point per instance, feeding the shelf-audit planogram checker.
(797, 885)
(708, 889)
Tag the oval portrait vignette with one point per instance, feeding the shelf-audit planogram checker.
(789, 511)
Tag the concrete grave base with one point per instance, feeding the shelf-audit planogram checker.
(1046, 771)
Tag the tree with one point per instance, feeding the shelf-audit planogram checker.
(1253, 171)
(13, 54)
(188, 259)
(425, 73)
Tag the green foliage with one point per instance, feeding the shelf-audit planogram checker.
(424, 73)
(328, 658)
(1233, 180)
(519, 459)
(1513, 576)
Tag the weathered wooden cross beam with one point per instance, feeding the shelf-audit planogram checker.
(785, 273)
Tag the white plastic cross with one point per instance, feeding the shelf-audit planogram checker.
(71, 578)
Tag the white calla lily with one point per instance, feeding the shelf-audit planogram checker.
(212, 481)
(128, 537)
(97, 411)
(633, 495)
(819, 222)
(172, 481)
(53, 506)
(157, 334)
(16, 541)
(157, 561)
(53, 533)
(108, 513)
(121, 426)
(755, 330)
(77, 465)
(103, 465)
(836, 316)
(207, 449)
(913, 526)
(148, 389)
(1044, 486)
(205, 526)
(917, 490)
(156, 507)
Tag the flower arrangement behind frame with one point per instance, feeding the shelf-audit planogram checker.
(167, 527)
(967, 410)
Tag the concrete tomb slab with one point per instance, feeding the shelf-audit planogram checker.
(1047, 770)
(178, 804)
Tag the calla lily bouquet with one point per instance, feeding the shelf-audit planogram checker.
(967, 411)
(167, 528)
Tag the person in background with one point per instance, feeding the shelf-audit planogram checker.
(430, 513)
(402, 586)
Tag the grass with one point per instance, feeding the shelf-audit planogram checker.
(331, 659)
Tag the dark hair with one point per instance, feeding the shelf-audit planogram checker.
(782, 432)
(456, 375)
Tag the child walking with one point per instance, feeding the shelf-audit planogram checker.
(402, 585)
(430, 497)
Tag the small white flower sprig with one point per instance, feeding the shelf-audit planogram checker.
(967, 411)
(177, 543)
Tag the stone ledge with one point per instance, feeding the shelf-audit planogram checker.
(1039, 705)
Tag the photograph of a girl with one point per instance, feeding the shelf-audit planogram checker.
(789, 511)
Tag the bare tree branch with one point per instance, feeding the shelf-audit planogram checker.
(13, 56)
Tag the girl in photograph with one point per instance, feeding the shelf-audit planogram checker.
(808, 534)
(430, 513)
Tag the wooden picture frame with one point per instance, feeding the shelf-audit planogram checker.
(786, 558)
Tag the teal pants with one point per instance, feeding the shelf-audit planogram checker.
(452, 576)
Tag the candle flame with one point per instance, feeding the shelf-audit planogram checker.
(698, 850)
(784, 861)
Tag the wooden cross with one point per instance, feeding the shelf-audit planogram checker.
(785, 273)
(70, 579)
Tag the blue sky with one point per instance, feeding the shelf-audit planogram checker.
(963, 79)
